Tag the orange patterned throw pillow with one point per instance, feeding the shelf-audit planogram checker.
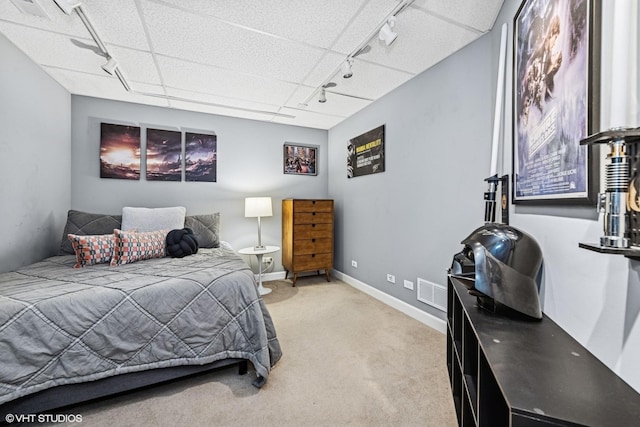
(130, 246)
(92, 249)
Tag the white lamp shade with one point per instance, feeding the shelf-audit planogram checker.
(257, 207)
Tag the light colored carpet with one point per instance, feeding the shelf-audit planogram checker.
(348, 359)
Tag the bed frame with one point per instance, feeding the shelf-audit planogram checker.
(73, 394)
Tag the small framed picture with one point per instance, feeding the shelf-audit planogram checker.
(300, 159)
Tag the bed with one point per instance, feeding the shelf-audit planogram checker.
(72, 334)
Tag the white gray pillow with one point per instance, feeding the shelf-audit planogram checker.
(153, 219)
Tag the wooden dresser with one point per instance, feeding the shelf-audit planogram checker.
(307, 236)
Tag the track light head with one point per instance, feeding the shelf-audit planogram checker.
(110, 66)
(323, 96)
(68, 6)
(346, 68)
(386, 34)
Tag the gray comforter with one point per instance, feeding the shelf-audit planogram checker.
(60, 325)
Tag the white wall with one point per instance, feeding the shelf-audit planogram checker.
(594, 297)
(410, 219)
(249, 164)
(34, 160)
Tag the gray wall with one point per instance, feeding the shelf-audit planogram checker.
(409, 220)
(34, 160)
(249, 164)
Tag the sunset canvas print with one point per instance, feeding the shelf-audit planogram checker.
(200, 157)
(164, 155)
(119, 151)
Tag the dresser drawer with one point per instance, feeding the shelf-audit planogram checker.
(312, 262)
(312, 218)
(311, 246)
(311, 231)
(313, 206)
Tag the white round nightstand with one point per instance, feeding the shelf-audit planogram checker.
(260, 253)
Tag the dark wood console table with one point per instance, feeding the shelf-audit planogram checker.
(524, 373)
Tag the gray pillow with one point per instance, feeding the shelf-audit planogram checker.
(153, 219)
(84, 224)
(206, 228)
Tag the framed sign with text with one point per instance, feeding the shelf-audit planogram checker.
(365, 153)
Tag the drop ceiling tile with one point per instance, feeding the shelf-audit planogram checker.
(436, 40)
(119, 25)
(221, 101)
(370, 80)
(471, 13)
(51, 49)
(325, 69)
(143, 88)
(215, 81)
(365, 23)
(336, 105)
(210, 109)
(57, 22)
(136, 65)
(117, 22)
(318, 23)
(308, 119)
(199, 39)
(106, 87)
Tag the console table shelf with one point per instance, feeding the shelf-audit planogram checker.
(524, 373)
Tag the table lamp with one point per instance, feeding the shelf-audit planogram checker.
(258, 207)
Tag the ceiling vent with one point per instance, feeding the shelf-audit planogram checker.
(31, 8)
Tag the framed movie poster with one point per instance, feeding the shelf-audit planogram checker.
(555, 88)
(119, 151)
(365, 153)
(300, 159)
(164, 155)
(201, 157)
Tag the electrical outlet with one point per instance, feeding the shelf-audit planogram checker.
(408, 284)
(391, 278)
(354, 263)
(267, 260)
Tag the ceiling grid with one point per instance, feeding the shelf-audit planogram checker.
(264, 60)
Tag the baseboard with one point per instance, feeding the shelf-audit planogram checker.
(411, 311)
(276, 275)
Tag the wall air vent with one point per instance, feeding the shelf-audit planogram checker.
(31, 8)
(433, 294)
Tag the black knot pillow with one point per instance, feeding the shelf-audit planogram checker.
(181, 243)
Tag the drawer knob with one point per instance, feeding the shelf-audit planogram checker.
(313, 255)
(314, 213)
(313, 240)
(314, 202)
(313, 225)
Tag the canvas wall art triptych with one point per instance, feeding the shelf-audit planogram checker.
(165, 156)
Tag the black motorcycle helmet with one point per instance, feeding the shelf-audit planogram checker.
(506, 262)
